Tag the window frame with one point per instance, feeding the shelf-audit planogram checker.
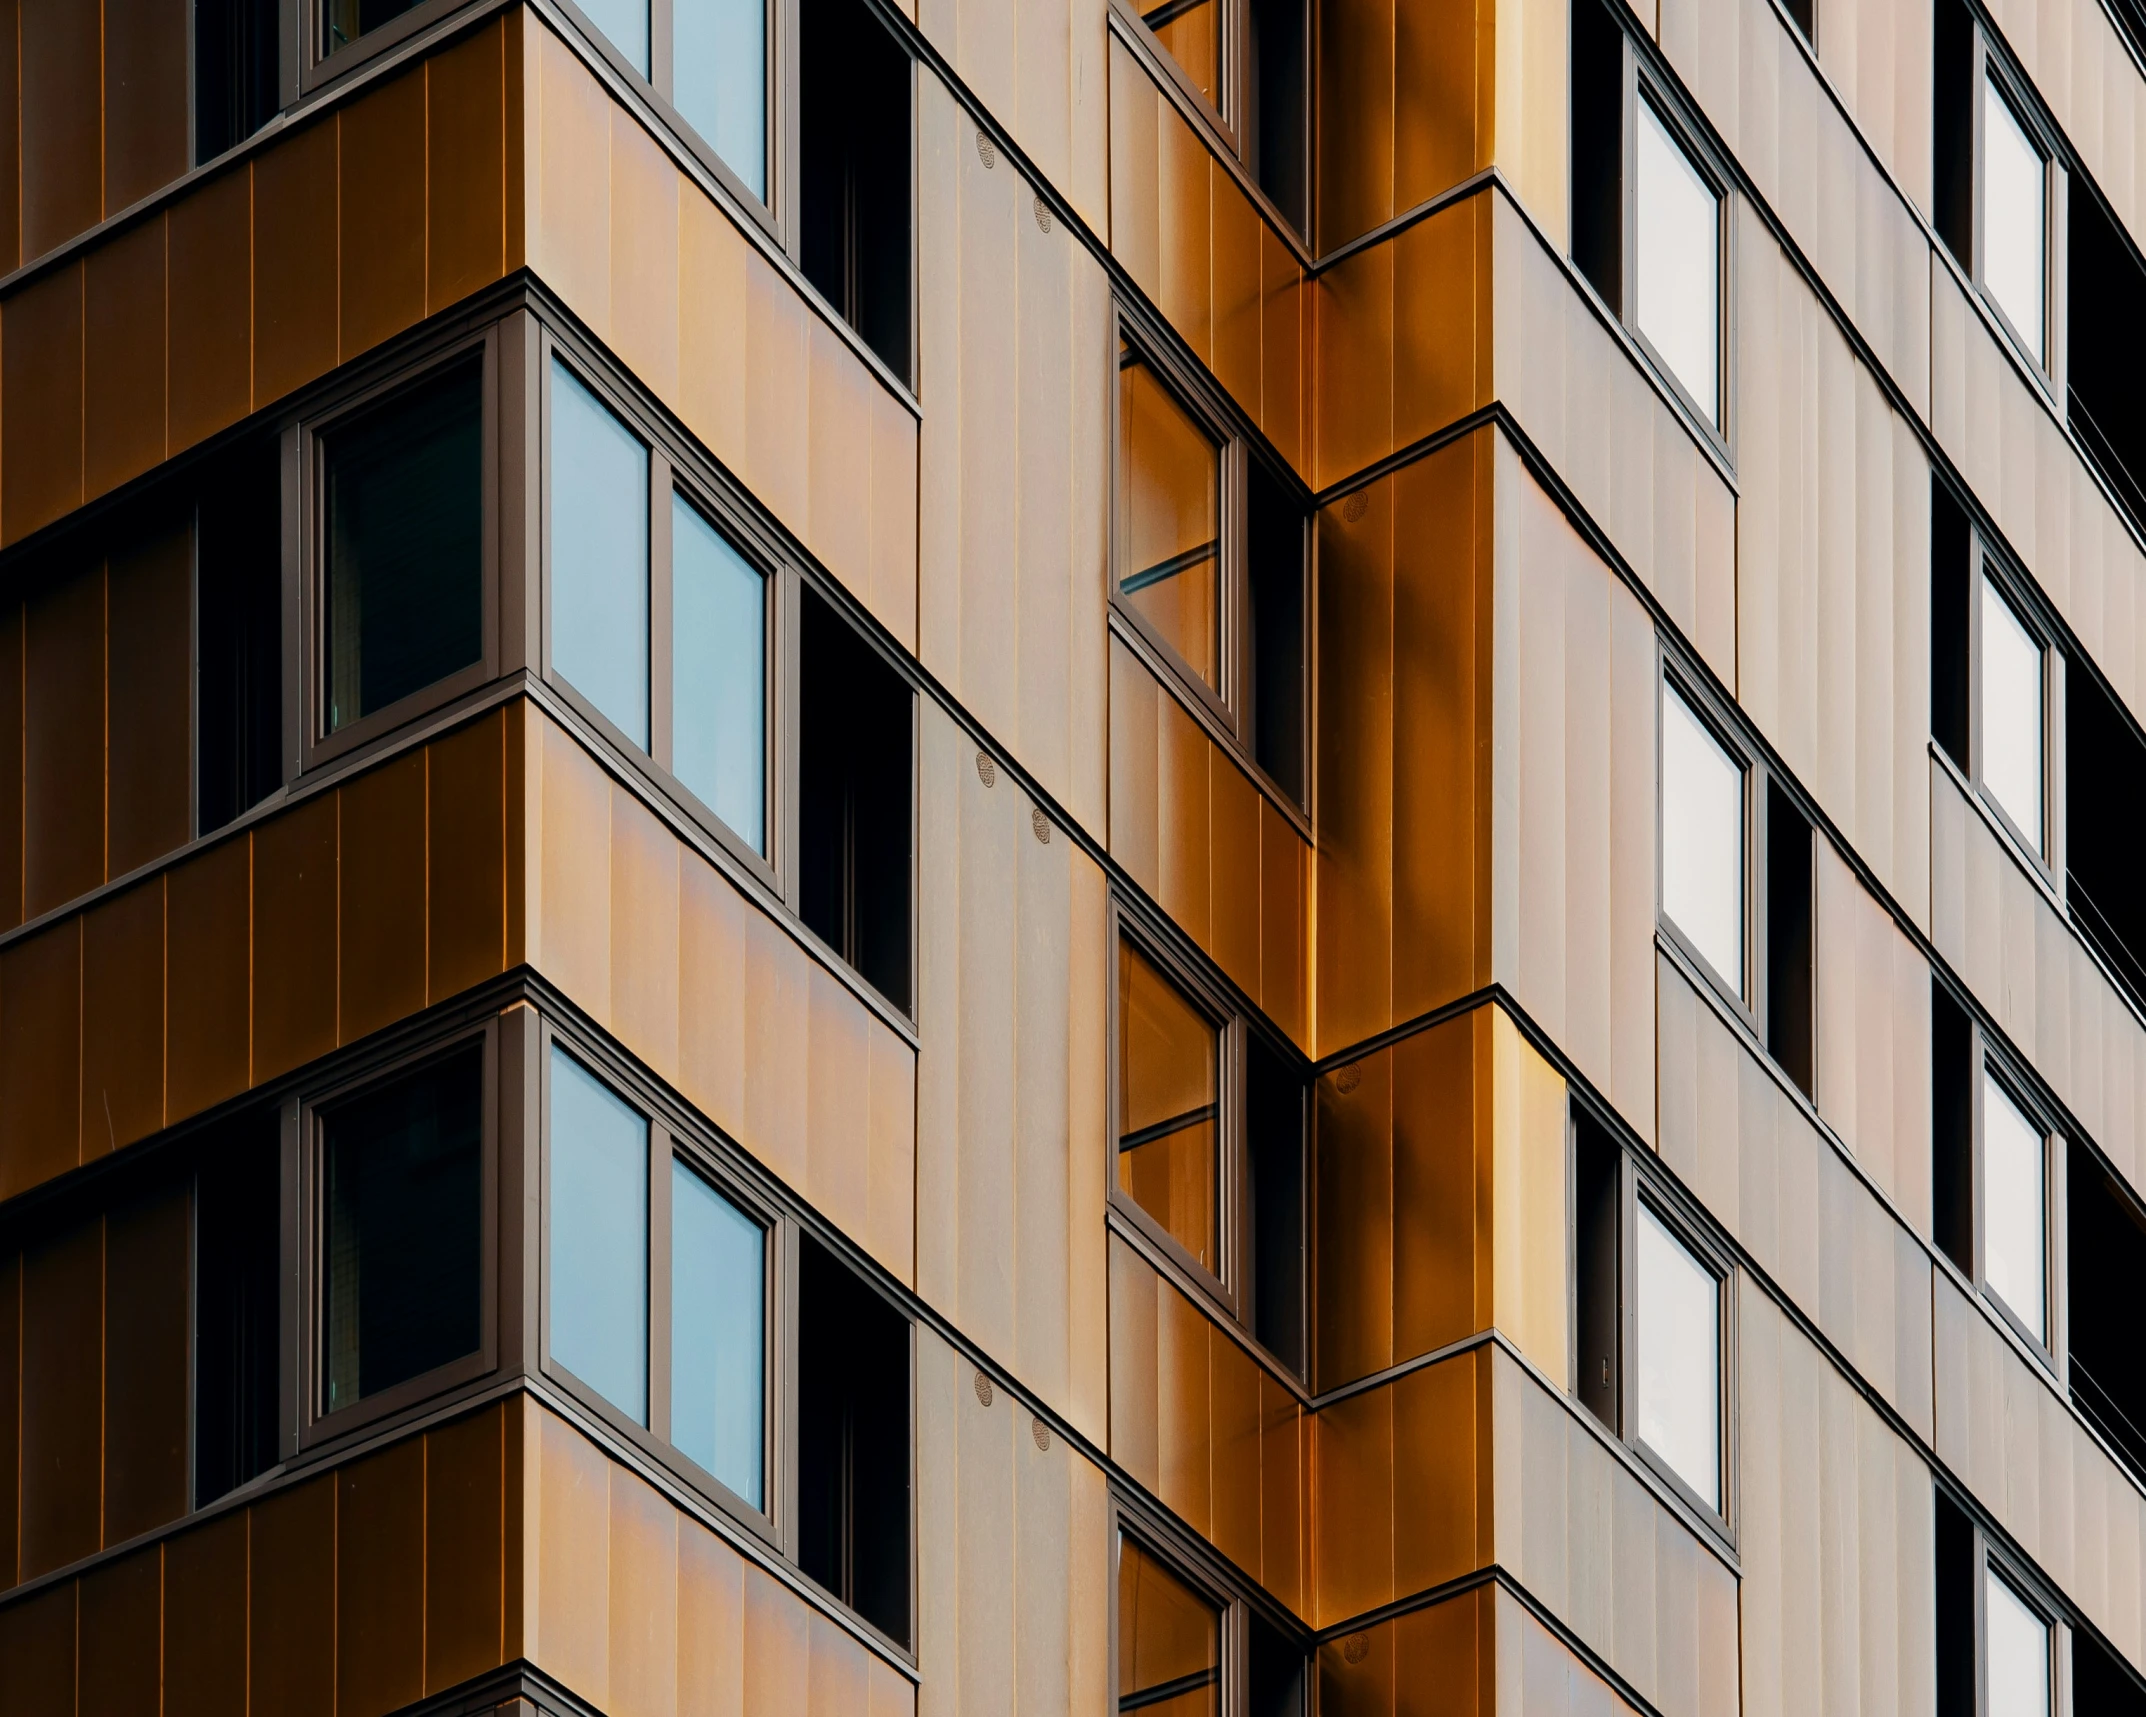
(1673, 680)
(1993, 1561)
(2046, 860)
(1986, 1062)
(1995, 73)
(306, 1168)
(306, 690)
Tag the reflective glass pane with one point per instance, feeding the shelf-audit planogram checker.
(2015, 1228)
(718, 1281)
(599, 1236)
(1167, 1108)
(1169, 510)
(2018, 1652)
(347, 20)
(1679, 263)
(2015, 222)
(1191, 32)
(625, 24)
(719, 68)
(1703, 838)
(1169, 1640)
(1679, 1358)
(2011, 713)
(599, 555)
(718, 673)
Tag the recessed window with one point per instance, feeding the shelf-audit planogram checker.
(238, 634)
(235, 52)
(1598, 1204)
(1678, 254)
(718, 1320)
(1264, 109)
(402, 1241)
(625, 25)
(1703, 839)
(2015, 219)
(2105, 372)
(1790, 1020)
(599, 555)
(2012, 713)
(2018, 1654)
(345, 21)
(1275, 1132)
(1169, 1639)
(405, 545)
(718, 673)
(1169, 518)
(599, 1236)
(719, 70)
(238, 1227)
(1275, 562)
(2105, 1260)
(1679, 1339)
(1169, 1110)
(2015, 1208)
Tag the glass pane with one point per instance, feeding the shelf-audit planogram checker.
(346, 20)
(719, 68)
(2011, 714)
(2018, 1652)
(2015, 187)
(1703, 839)
(1167, 1108)
(718, 673)
(1191, 32)
(625, 24)
(1169, 501)
(404, 1238)
(2014, 1226)
(1169, 1640)
(1679, 256)
(1679, 1358)
(405, 577)
(599, 1236)
(599, 555)
(717, 1285)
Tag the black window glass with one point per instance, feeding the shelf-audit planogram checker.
(405, 584)
(1275, 568)
(234, 72)
(1274, 1150)
(237, 1233)
(238, 621)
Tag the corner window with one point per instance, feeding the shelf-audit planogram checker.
(1249, 61)
(235, 55)
(1174, 1641)
(2013, 701)
(1169, 518)
(1677, 248)
(599, 1237)
(1703, 839)
(1169, 1113)
(1997, 1647)
(599, 555)
(1679, 1341)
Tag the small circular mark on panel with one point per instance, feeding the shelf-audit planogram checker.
(1043, 215)
(1348, 1079)
(1042, 825)
(1356, 1648)
(984, 152)
(1041, 1432)
(1355, 507)
(986, 770)
(983, 1389)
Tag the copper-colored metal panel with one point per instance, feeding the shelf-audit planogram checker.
(1185, 758)
(891, 531)
(1355, 108)
(711, 994)
(892, 1694)
(150, 748)
(1352, 1511)
(64, 742)
(777, 1032)
(294, 942)
(209, 949)
(145, 97)
(382, 208)
(1184, 1408)
(1238, 232)
(11, 763)
(62, 118)
(1167, 1632)
(644, 256)
(382, 896)
(1233, 864)
(148, 1278)
(1282, 298)
(10, 1414)
(379, 1584)
(1353, 321)
(1448, 1645)
(570, 936)
(778, 449)
(1237, 1447)
(570, 201)
(838, 451)
(1435, 1246)
(120, 1642)
(296, 326)
(205, 1620)
(522, 784)
(1184, 182)
(1441, 96)
(1168, 1123)
(644, 933)
(62, 1398)
(1284, 1430)
(570, 1633)
(40, 1057)
(1135, 150)
(123, 1019)
(644, 1601)
(711, 1623)
(37, 1654)
(1356, 1674)
(1135, 714)
(836, 1673)
(1353, 1256)
(1134, 1287)
(1437, 1487)
(465, 182)
(291, 1613)
(465, 1565)
(465, 858)
(837, 1094)
(889, 1232)
(777, 1648)
(712, 264)
(1283, 856)
(123, 357)
(1436, 315)
(211, 268)
(10, 134)
(41, 373)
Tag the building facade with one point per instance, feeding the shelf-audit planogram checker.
(997, 856)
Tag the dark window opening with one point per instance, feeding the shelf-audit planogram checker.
(1789, 1024)
(238, 1227)
(2107, 1261)
(2103, 382)
(2130, 16)
(852, 1441)
(1598, 149)
(2102, 1686)
(853, 768)
(239, 634)
(1953, 127)
(1800, 14)
(1275, 566)
(1955, 1570)
(1949, 587)
(2104, 826)
(1279, 46)
(403, 1234)
(1597, 1276)
(1274, 1666)
(346, 20)
(853, 99)
(1274, 1149)
(405, 573)
(1952, 1128)
(235, 52)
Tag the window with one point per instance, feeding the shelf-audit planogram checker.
(719, 673)
(1677, 249)
(2102, 1685)
(2015, 1226)
(1275, 1132)
(1790, 1023)
(2105, 1257)
(238, 630)
(853, 1413)
(238, 1226)
(2012, 703)
(599, 556)
(1800, 15)
(2019, 1660)
(235, 54)
(1996, 1645)
(344, 21)
(625, 24)
(1952, 563)
(719, 1319)
(402, 1229)
(2015, 219)
(1169, 1108)
(853, 112)
(1169, 1639)
(1703, 839)
(1679, 1349)
(404, 586)
(2104, 825)
(856, 720)
(1952, 1128)
(1211, 547)
(719, 73)
(1598, 1277)
(2104, 372)
(599, 1237)
(1250, 62)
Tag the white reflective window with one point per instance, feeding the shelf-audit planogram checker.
(2015, 1228)
(1679, 1358)
(2015, 221)
(2011, 713)
(2018, 1652)
(1703, 839)
(1679, 255)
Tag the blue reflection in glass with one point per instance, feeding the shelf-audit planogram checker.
(599, 555)
(717, 1280)
(718, 673)
(625, 23)
(719, 69)
(599, 1237)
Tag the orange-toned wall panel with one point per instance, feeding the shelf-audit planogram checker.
(296, 326)
(208, 974)
(146, 46)
(294, 937)
(290, 1660)
(121, 1624)
(11, 682)
(148, 1282)
(123, 347)
(465, 1548)
(465, 123)
(465, 896)
(40, 1056)
(41, 411)
(10, 133)
(62, 1398)
(211, 299)
(37, 1654)
(123, 1019)
(381, 896)
(10, 1416)
(149, 667)
(64, 741)
(205, 1619)
(62, 112)
(379, 1607)
(382, 210)
(1385, 1669)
